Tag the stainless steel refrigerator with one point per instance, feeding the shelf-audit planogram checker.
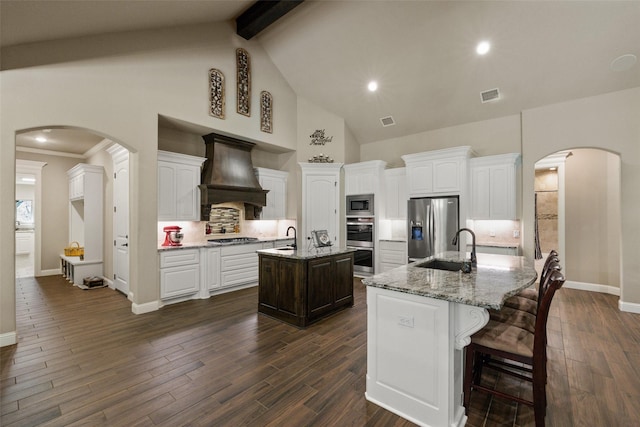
(432, 222)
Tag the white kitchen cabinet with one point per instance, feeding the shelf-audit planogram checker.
(179, 273)
(494, 187)
(321, 200)
(239, 264)
(395, 193)
(24, 242)
(392, 254)
(178, 192)
(276, 182)
(364, 177)
(86, 212)
(210, 269)
(437, 172)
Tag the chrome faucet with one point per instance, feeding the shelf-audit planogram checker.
(295, 238)
(474, 259)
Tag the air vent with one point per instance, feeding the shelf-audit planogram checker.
(490, 95)
(387, 121)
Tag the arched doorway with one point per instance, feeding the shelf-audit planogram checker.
(62, 148)
(578, 212)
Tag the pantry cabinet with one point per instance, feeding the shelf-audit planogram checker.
(178, 192)
(395, 181)
(276, 183)
(495, 187)
(321, 200)
(437, 172)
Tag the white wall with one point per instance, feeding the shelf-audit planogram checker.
(497, 136)
(116, 86)
(608, 122)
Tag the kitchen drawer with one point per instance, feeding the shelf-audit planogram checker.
(235, 262)
(241, 276)
(393, 257)
(241, 249)
(177, 257)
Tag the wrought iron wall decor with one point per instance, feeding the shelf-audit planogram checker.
(266, 112)
(318, 138)
(216, 93)
(320, 158)
(243, 75)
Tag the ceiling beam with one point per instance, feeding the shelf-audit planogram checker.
(262, 14)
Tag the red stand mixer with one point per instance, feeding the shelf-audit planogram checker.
(173, 235)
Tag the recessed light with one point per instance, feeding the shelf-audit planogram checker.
(483, 47)
(41, 139)
(372, 86)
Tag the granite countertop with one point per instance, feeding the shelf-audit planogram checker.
(305, 253)
(496, 278)
(206, 244)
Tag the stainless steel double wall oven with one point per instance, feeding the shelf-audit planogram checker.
(361, 232)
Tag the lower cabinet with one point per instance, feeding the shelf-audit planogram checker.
(239, 265)
(393, 254)
(301, 291)
(179, 273)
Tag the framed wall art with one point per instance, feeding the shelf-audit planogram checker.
(243, 76)
(216, 93)
(266, 112)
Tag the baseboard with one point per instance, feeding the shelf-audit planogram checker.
(52, 272)
(592, 287)
(630, 307)
(147, 307)
(8, 338)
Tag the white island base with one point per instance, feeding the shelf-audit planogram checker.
(415, 355)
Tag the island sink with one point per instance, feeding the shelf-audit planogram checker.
(441, 264)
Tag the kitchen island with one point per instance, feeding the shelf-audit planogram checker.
(302, 286)
(418, 322)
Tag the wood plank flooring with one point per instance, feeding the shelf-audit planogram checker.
(84, 359)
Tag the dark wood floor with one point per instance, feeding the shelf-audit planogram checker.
(84, 359)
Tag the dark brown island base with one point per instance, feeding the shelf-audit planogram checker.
(300, 287)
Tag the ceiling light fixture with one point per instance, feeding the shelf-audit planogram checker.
(483, 47)
(41, 139)
(25, 179)
(624, 62)
(372, 86)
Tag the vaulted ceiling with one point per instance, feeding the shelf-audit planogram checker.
(421, 53)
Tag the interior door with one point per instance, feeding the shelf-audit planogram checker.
(121, 222)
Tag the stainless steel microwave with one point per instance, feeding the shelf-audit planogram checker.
(360, 205)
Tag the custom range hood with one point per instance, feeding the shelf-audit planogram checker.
(228, 176)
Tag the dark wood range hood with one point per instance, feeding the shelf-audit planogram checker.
(228, 176)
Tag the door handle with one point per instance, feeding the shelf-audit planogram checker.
(125, 244)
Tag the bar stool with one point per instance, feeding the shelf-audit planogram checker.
(505, 347)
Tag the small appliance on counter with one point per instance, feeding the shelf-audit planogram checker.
(173, 236)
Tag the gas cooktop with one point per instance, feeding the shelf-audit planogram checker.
(232, 240)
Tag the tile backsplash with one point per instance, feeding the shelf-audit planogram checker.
(496, 232)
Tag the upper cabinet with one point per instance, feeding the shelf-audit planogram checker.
(276, 182)
(363, 177)
(494, 187)
(178, 180)
(395, 181)
(437, 172)
(83, 179)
